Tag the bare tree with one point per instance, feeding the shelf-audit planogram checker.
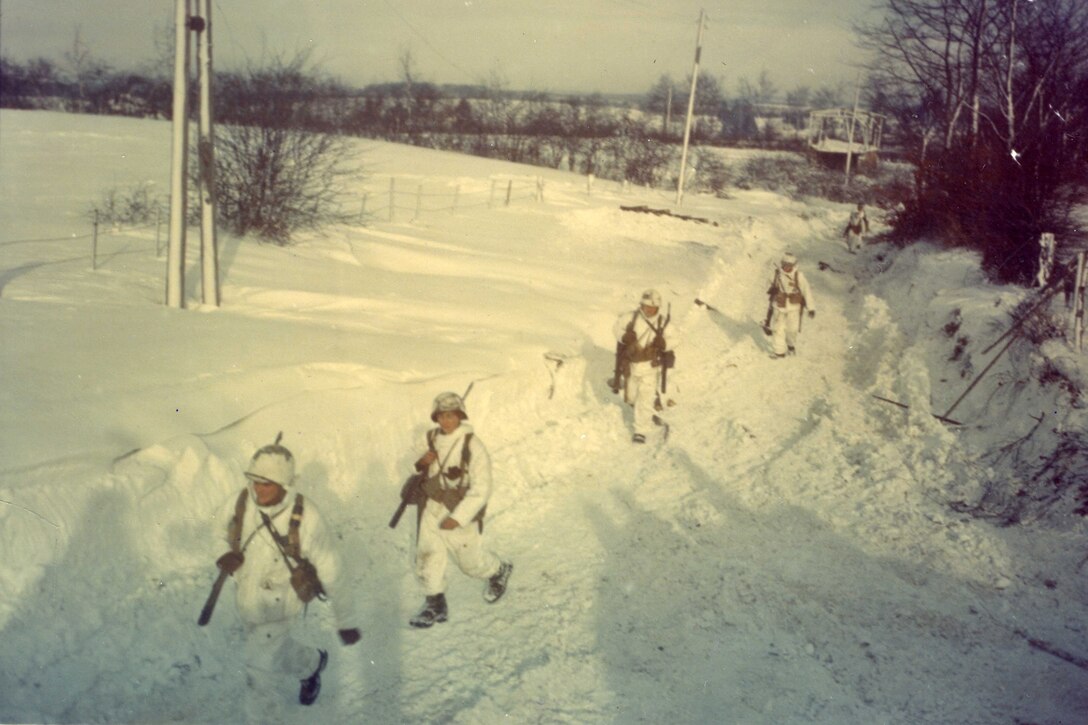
(1002, 82)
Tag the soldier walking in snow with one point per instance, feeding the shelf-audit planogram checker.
(789, 294)
(856, 227)
(642, 356)
(280, 558)
(451, 523)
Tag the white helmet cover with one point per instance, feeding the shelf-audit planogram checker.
(273, 463)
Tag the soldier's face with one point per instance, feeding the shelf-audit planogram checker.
(448, 420)
(649, 310)
(268, 493)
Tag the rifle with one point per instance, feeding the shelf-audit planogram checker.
(665, 358)
(617, 369)
(411, 494)
(770, 303)
(206, 612)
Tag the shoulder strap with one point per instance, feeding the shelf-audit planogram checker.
(294, 544)
(466, 454)
(631, 324)
(234, 529)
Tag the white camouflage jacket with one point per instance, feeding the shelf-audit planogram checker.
(263, 582)
(448, 447)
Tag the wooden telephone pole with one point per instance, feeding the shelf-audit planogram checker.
(691, 111)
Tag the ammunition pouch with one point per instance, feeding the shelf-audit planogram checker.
(667, 359)
(781, 298)
(306, 583)
(448, 497)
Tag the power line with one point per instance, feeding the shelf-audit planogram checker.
(426, 41)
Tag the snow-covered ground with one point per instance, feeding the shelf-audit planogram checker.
(788, 555)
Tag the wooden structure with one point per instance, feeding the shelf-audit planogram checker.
(837, 134)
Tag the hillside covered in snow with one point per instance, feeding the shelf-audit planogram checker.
(797, 550)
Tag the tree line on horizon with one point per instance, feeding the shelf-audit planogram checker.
(987, 99)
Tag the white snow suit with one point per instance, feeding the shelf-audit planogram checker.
(465, 543)
(791, 292)
(268, 605)
(644, 380)
(855, 229)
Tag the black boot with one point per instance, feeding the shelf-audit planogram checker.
(311, 686)
(496, 585)
(434, 610)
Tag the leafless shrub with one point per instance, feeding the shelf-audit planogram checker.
(276, 175)
(135, 205)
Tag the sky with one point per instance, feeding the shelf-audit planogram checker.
(788, 554)
(610, 46)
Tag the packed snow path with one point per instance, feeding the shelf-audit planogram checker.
(787, 556)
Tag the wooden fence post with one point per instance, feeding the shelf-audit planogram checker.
(540, 188)
(392, 197)
(509, 188)
(94, 242)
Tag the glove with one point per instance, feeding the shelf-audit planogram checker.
(349, 636)
(811, 313)
(426, 460)
(231, 561)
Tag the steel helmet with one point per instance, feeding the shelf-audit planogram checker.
(446, 402)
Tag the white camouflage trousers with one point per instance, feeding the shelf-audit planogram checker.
(435, 546)
(854, 240)
(641, 393)
(785, 326)
(275, 662)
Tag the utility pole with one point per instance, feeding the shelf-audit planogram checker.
(691, 111)
(175, 252)
(850, 135)
(209, 248)
(198, 24)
